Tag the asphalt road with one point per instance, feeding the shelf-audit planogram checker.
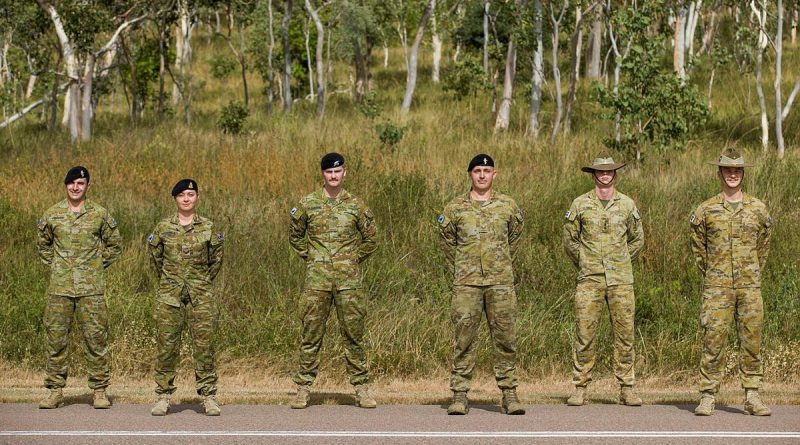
(393, 424)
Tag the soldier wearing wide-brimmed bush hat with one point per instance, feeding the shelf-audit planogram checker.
(602, 236)
(730, 240)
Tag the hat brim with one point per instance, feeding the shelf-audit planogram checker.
(722, 164)
(602, 168)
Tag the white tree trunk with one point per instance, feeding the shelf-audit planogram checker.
(537, 75)
(309, 62)
(595, 47)
(778, 100)
(86, 102)
(790, 101)
(437, 49)
(287, 57)
(270, 53)
(679, 44)
(708, 33)
(385, 55)
(183, 49)
(411, 78)
(504, 110)
(31, 85)
(486, 37)
(691, 26)
(575, 67)
(556, 72)
(320, 93)
(795, 19)
(761, 45)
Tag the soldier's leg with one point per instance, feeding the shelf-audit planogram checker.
(589, 299)
(169, 322)
(93, 320)
(202, 321)
(501, 313)
(466, 310)
(621, 308)
(750, 322)
(715, 318)
(350, 312)
(57, 323)
(316, 308)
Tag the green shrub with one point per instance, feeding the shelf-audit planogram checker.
(221, 66)
(232, 118)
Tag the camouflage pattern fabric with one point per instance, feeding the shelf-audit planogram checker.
(92, 319)
(730, 246)
(590, 297)
(316, 307)
(467, 307)
(480, 239)
(333, 236)
(200, 317)
(186, 260)
(78, 247)
(720, 307)
(603, 241)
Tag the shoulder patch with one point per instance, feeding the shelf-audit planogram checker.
(692, 218)
(636, 213)
(568, 214)
(293, 211)
(440, 219)
(770, 220)
(220, 237)
(150, 238)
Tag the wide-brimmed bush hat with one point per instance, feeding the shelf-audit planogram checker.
(730, 158)
(603, 163)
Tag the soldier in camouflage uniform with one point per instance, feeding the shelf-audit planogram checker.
(333, 232)
(602, 236)
(480, 231)
(730, 239)
(186, 252)
(77, 239)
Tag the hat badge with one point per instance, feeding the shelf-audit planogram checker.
(336, 163)
(485, 161)
(82, 175)
(191, 186)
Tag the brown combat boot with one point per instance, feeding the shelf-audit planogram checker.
(460, 404)
(210, 406)
(628, 397)
(511, 403)
(363, 399)
(55, 399)
(100, 400)
(753, 404)
(302, 399)
(706, 406)
(578, 397)
(161, 408)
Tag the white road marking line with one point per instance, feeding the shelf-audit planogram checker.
(432, 434)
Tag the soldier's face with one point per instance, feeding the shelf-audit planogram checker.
(482, 178)
(186, 200)
(334, 176)
(731, 176)
(604, 178)
(76, 190)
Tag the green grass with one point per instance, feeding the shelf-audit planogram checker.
(249, 182)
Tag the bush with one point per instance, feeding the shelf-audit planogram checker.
(390, 133)
(221, 66)
(232, 118)
(465, 78)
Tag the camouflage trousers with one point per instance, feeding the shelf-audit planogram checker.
(201, 319)
(316, 307)
(467, 307)
(590, 298)
(720, 307)
(92, 316)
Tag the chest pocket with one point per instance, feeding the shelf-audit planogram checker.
(344, 225)
(750, 224)
(593, 222)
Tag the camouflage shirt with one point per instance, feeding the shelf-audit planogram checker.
(333, 236)
(78, 247)
(480, 239)
(730, 246)
(603, 241)
(185, 258)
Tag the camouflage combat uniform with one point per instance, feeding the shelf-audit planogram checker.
(77, 247)
(186, 259)
(480, 240)
(602, 242)
(730, 248)
(333, 236)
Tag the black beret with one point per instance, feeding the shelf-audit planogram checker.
(76, 173)
(184, 184)
(481, 159)
(331, 160)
